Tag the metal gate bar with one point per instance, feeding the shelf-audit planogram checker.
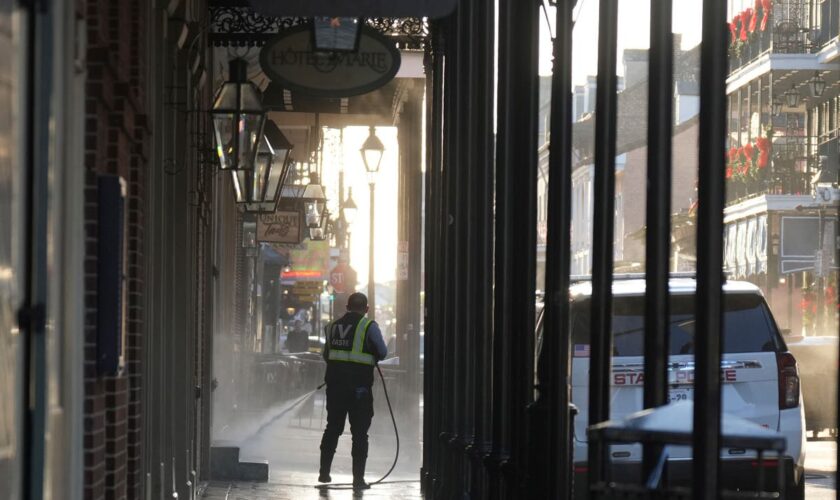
(711, 198)
(515, 258)
(658, 212)
(602, 234)
(553, 449)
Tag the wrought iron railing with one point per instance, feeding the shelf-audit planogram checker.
(789, 172)
(787, 30)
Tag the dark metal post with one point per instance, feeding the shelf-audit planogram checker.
(553, 449)
(658, 233)
(515, 258)
(711, 198)
(448, 269)
(602, 237)
(481, 238)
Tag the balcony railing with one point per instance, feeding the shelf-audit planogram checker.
(790, 172)
(788, 30)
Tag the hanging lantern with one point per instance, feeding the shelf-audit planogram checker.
(777, 106)
(792, 97)
(817, 84)
(314, 202)
(337, 34)
(259, 189)
(349, 209)
(238, 119)
(321, 232)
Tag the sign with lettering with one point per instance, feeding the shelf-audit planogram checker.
(290, 61)
(279, 227)
(366, 8)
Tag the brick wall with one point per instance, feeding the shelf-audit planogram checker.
(633, 182)
(116, 136)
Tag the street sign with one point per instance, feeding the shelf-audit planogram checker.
(343, 278)
(289, 60)
(338, 278)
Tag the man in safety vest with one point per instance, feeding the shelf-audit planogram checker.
(354, 345)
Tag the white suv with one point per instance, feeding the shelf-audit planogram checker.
(760, 380)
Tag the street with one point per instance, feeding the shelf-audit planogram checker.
(819, 470)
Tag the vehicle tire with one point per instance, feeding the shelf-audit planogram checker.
(796, 491)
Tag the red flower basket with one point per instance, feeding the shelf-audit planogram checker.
(745, 21)
(733, 28)
(753, 17)
(766, 8)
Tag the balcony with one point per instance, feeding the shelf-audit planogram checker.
(789, 173)
(786, 30)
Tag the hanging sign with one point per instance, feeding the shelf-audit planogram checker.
(290, 61)
(279, 227)
(366, 8)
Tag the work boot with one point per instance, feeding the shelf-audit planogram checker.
(324, 472)
(359, 474)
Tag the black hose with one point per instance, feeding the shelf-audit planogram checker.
(341, 486)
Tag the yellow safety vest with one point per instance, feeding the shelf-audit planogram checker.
(356, 354)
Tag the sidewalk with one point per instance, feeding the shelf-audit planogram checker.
(296, 486)
(291, 443)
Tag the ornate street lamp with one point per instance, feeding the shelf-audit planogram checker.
(817, 84)
(337, 34)
(777, 106)
(792, 97)
(238, 119)
(259, 188)
(372, 151)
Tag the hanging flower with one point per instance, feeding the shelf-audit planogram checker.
(753, 17)
(745, 21)
(763, 145)
(728, 173)
(766, 8)
(733, 28)
(749, 153)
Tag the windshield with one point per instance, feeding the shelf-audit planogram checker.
(747, 326)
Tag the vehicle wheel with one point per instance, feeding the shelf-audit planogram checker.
(796, 491)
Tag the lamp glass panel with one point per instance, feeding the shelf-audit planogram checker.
(349, 214)
(316, 233)
(372, 159)
(224, 126)
(792, 98)
(241, 185)
(277, 176)
(250, 130)
(262, 167)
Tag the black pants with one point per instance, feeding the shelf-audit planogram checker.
(357, 402)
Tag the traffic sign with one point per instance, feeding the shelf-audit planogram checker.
(338, 277)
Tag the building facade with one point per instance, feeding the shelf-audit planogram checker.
(782, 171)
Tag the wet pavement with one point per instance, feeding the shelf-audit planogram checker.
(819, 470)
(298, 486)
(289, 441)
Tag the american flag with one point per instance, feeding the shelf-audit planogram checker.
(581, 350)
